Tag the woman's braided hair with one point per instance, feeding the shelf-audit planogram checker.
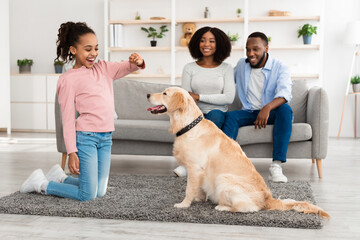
(68, 35)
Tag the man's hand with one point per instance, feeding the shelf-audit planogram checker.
(262, 117)
(73, 163)
(136, 59)
(264, 113)
(195, 96)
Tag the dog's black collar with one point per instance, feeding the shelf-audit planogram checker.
(190, 126)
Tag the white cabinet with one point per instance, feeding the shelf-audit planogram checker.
(32, 102)
(165, 62)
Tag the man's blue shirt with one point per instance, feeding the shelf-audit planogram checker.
(277, 81)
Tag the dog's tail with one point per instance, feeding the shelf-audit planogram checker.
(298, 206)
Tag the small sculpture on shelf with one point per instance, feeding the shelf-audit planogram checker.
(152, 33)
(238, 11)
(137, 16)
(206, 13)
(188, 31)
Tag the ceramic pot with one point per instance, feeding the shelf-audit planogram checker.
(307, 39)
(25, 69)
(356, 87)
(153, 43)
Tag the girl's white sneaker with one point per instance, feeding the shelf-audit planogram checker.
(33, 182)
(180, 171)
(56, 174)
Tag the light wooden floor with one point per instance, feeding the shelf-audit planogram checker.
(338, 193)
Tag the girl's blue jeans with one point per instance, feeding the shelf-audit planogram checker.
(94, 152)
(281, 117)
(216, 116)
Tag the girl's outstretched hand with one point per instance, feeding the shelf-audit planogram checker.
(73, 163)
(136, 59)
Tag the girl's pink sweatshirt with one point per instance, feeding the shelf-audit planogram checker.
(91, 89)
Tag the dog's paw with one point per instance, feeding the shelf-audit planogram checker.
(182, 205)
(222, 208)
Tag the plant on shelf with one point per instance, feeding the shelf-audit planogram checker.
(153, 33)
(238, 11)
(307, 30)
(355, 80)
(58, 64)
(233, 38)
(269, 39)
(25, 65)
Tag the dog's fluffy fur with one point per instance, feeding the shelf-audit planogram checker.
(217, 167)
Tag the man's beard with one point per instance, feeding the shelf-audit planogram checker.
(259, 63)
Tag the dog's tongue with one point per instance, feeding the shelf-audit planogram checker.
(154, 108)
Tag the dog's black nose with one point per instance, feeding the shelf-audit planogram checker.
(148, 95)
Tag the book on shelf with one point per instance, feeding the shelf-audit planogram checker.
(116, 35)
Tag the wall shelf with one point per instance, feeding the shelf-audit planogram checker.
(176, 14)
(284, 18)
(134, 22)
(139, 49)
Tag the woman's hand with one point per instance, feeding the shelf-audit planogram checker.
(136, 59)
(73, 163)
(195, 96)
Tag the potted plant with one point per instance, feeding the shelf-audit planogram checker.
(233, 38)
(269, 39)
(25, 65)
(58, 64)
(307, 30)
(238, 11)
(152, 33)
(355, 80)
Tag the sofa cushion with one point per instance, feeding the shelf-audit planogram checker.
(250, 135)
(299, 100)
(143, 130)
(131, 101)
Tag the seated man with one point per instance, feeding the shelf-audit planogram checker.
(264, 88)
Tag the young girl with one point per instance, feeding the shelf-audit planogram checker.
(88, 87)
(209, 80)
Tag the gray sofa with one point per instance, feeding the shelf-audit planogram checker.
(137, 132)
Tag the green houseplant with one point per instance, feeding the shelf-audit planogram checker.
(355, 80)
(58, 64)
(153, 33)
(25, 65)
(233, 38)
(238, 11)
(307, 30)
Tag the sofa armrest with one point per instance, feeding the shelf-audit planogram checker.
(60, 144)
(317, 115)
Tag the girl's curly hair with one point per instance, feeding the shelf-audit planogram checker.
(68, 35)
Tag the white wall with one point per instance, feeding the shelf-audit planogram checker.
(337, 60)
(34, 25)
(4, 66)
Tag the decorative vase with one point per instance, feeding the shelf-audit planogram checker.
(233, 43)
(307, 39)
(58, 68)
(356, 87)
(153, 43)
(25, 69)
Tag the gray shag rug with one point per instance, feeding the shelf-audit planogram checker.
(152, 198)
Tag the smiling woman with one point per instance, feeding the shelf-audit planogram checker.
(209, 80)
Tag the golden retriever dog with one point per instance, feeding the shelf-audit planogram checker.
(217, 167)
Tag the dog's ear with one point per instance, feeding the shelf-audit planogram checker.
(178, 101)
